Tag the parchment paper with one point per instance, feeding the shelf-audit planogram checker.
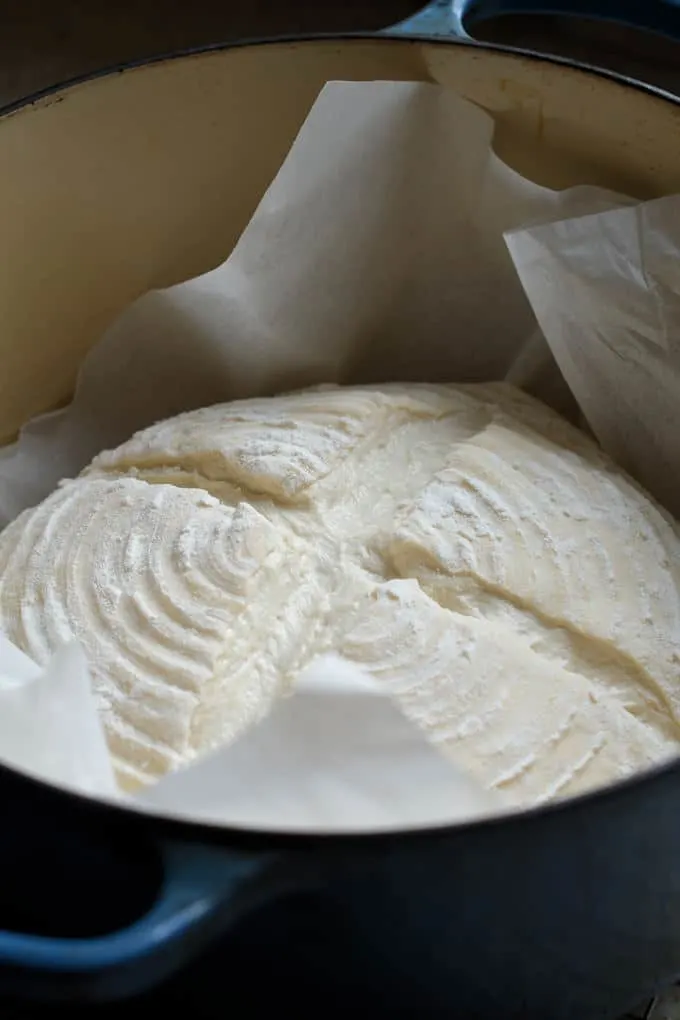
(336, 756)
(49, 727)
(606, 291)
(376, 254)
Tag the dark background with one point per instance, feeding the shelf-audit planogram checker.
(43, 43)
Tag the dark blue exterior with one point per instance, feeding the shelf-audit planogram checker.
(457, 18)
(572, 911)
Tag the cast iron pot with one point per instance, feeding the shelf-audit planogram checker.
(142, 178)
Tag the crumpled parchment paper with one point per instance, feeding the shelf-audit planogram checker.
(377, 254)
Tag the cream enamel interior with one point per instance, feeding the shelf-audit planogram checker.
(143, 178)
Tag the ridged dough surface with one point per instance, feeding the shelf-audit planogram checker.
(149, 579)
(503, 580)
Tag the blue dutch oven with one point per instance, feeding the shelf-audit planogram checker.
(144, 176)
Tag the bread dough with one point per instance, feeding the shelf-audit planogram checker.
(490, 567)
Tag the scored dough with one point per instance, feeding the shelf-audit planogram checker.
(488, 565)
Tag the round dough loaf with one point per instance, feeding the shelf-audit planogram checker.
(490, 567)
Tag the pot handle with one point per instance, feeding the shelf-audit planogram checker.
(447, 19)
(204, 890)
(440, 19)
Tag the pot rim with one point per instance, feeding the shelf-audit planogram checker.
(177, 829)
(207, 832)
(385, 35)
